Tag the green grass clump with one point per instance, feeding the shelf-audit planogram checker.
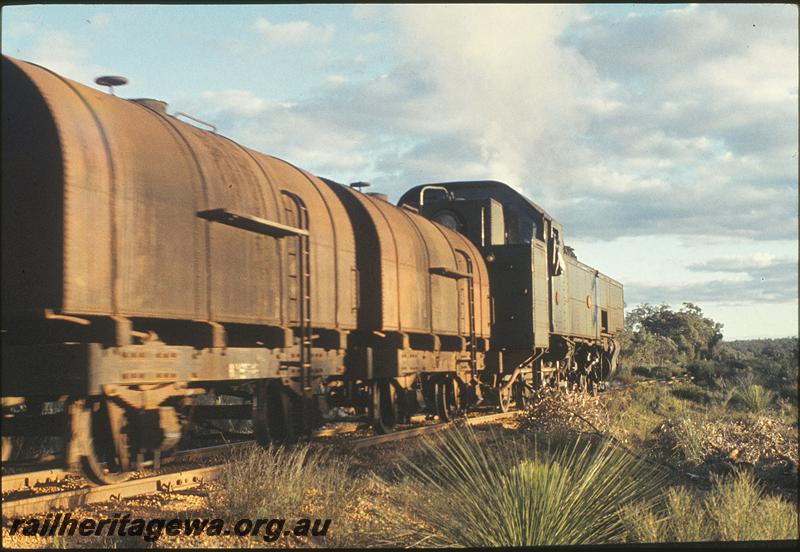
(753, 396)
(689, 441)
(736, 509)
(524, 494)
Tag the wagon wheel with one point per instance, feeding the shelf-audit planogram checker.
(448, 399)
(383, 406)
(523, 393)
(103, 459)
(276, 414)
(504, 398)
(583, 383)
(261, 414)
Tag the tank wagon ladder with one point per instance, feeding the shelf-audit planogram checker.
(303, 277)
(473, 346)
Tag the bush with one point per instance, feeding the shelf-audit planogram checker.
(690, 392)
(689, 441)
(641, 371)
(705, 372)
(523, 496)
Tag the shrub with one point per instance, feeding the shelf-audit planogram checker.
(666, 371)
(691, 392)
(686, 518)
(524, 496)
(641, 371)
(705, 372)
(642, 523)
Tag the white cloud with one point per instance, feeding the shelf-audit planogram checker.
(682, 122)
(239, 103)
(67, 55)
(335, 80)
(293, 32)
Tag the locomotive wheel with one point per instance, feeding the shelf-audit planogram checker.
(383, 406)
(99, 460)
(448, 403)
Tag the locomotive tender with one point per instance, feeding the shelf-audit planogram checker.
(147, 262)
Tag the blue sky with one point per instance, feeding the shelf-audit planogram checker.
(664, 137)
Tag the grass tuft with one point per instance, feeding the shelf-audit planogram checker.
(526, 494)
(740, 510)
(753, 396)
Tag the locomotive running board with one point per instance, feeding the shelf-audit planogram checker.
(251, 223)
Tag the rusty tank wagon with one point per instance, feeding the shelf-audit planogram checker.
(148, 263)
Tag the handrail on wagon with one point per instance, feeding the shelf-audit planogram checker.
(251, 223)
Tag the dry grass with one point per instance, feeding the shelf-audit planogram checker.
(736, 509)
(291, 483)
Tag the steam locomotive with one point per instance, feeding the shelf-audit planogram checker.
(149, 263)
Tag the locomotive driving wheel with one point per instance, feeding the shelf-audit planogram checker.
(102, 446)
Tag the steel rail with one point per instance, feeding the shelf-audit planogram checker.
(27, 480)
(406, 433)
(89, 495)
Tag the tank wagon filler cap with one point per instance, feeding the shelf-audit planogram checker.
(377, 195)
(150, 103)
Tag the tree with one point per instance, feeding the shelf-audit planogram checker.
(684, 336)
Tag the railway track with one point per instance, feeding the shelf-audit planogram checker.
(178, 480)
(27, 480)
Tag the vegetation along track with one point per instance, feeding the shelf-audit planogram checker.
(178, 480)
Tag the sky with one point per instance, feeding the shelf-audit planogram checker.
(663, 137)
